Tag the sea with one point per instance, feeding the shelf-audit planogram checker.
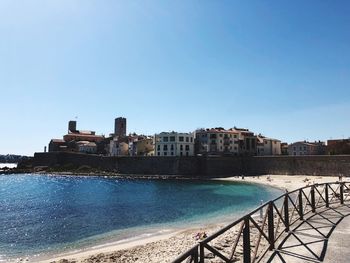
(50, 214)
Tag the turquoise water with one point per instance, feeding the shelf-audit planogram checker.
(51, 214)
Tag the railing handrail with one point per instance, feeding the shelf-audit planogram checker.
(197, 251)
(191, 251)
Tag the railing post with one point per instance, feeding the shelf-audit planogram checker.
(301, 214)
(326, 195)
(341, 193)
(286, 212)
(201, 252)
(271, 226)
(246, 241)
(313, 203)
(195, 260)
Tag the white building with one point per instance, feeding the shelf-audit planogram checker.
(117, 148)
(174, 144)
(268, 146)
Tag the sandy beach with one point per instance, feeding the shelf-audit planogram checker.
(166, 247)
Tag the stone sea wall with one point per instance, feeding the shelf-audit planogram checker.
(308, 165)
(200, 166)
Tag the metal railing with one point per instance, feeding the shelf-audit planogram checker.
(249, 238)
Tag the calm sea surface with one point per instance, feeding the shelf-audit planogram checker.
(51, 214)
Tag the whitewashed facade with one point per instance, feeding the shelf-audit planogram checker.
(268, 146)
(174, 144)
(117, 148)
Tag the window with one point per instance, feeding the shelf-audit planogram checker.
(253, 144)
(235, 136)
(181, 138)
(186, 153)
(165, 153)
(294, 148)
(158, 147)
(187, 147)
(191, 139)
(220, 141)
(165, 139)
(172, 138)
(220, 134)
(181, 147)
(212, 136)
(187, 139)
(158, 153)
(181, 154)
(165, 147)
(172, 153)
(172, 147)
(247, 142)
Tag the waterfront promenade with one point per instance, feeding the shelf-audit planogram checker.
(339, 242)
(324, 237)
(296, 227)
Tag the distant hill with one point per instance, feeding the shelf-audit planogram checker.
(12, 158)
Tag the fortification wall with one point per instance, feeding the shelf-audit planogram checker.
(198, 166)
(308, 165)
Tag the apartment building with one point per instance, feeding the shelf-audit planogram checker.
(267, 146)
(338, 146)
(247, 141)
(143, 146)
(217, 141)
(174, 144)
(118, 148)
(307, 148)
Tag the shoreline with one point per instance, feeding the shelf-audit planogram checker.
(157, 248)
(101, 173)
(158, 237)
(166, 247)
(123, 244)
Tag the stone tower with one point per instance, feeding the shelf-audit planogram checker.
(120, 127)
(72, 126)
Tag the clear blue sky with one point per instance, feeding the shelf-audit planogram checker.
(280, 68)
